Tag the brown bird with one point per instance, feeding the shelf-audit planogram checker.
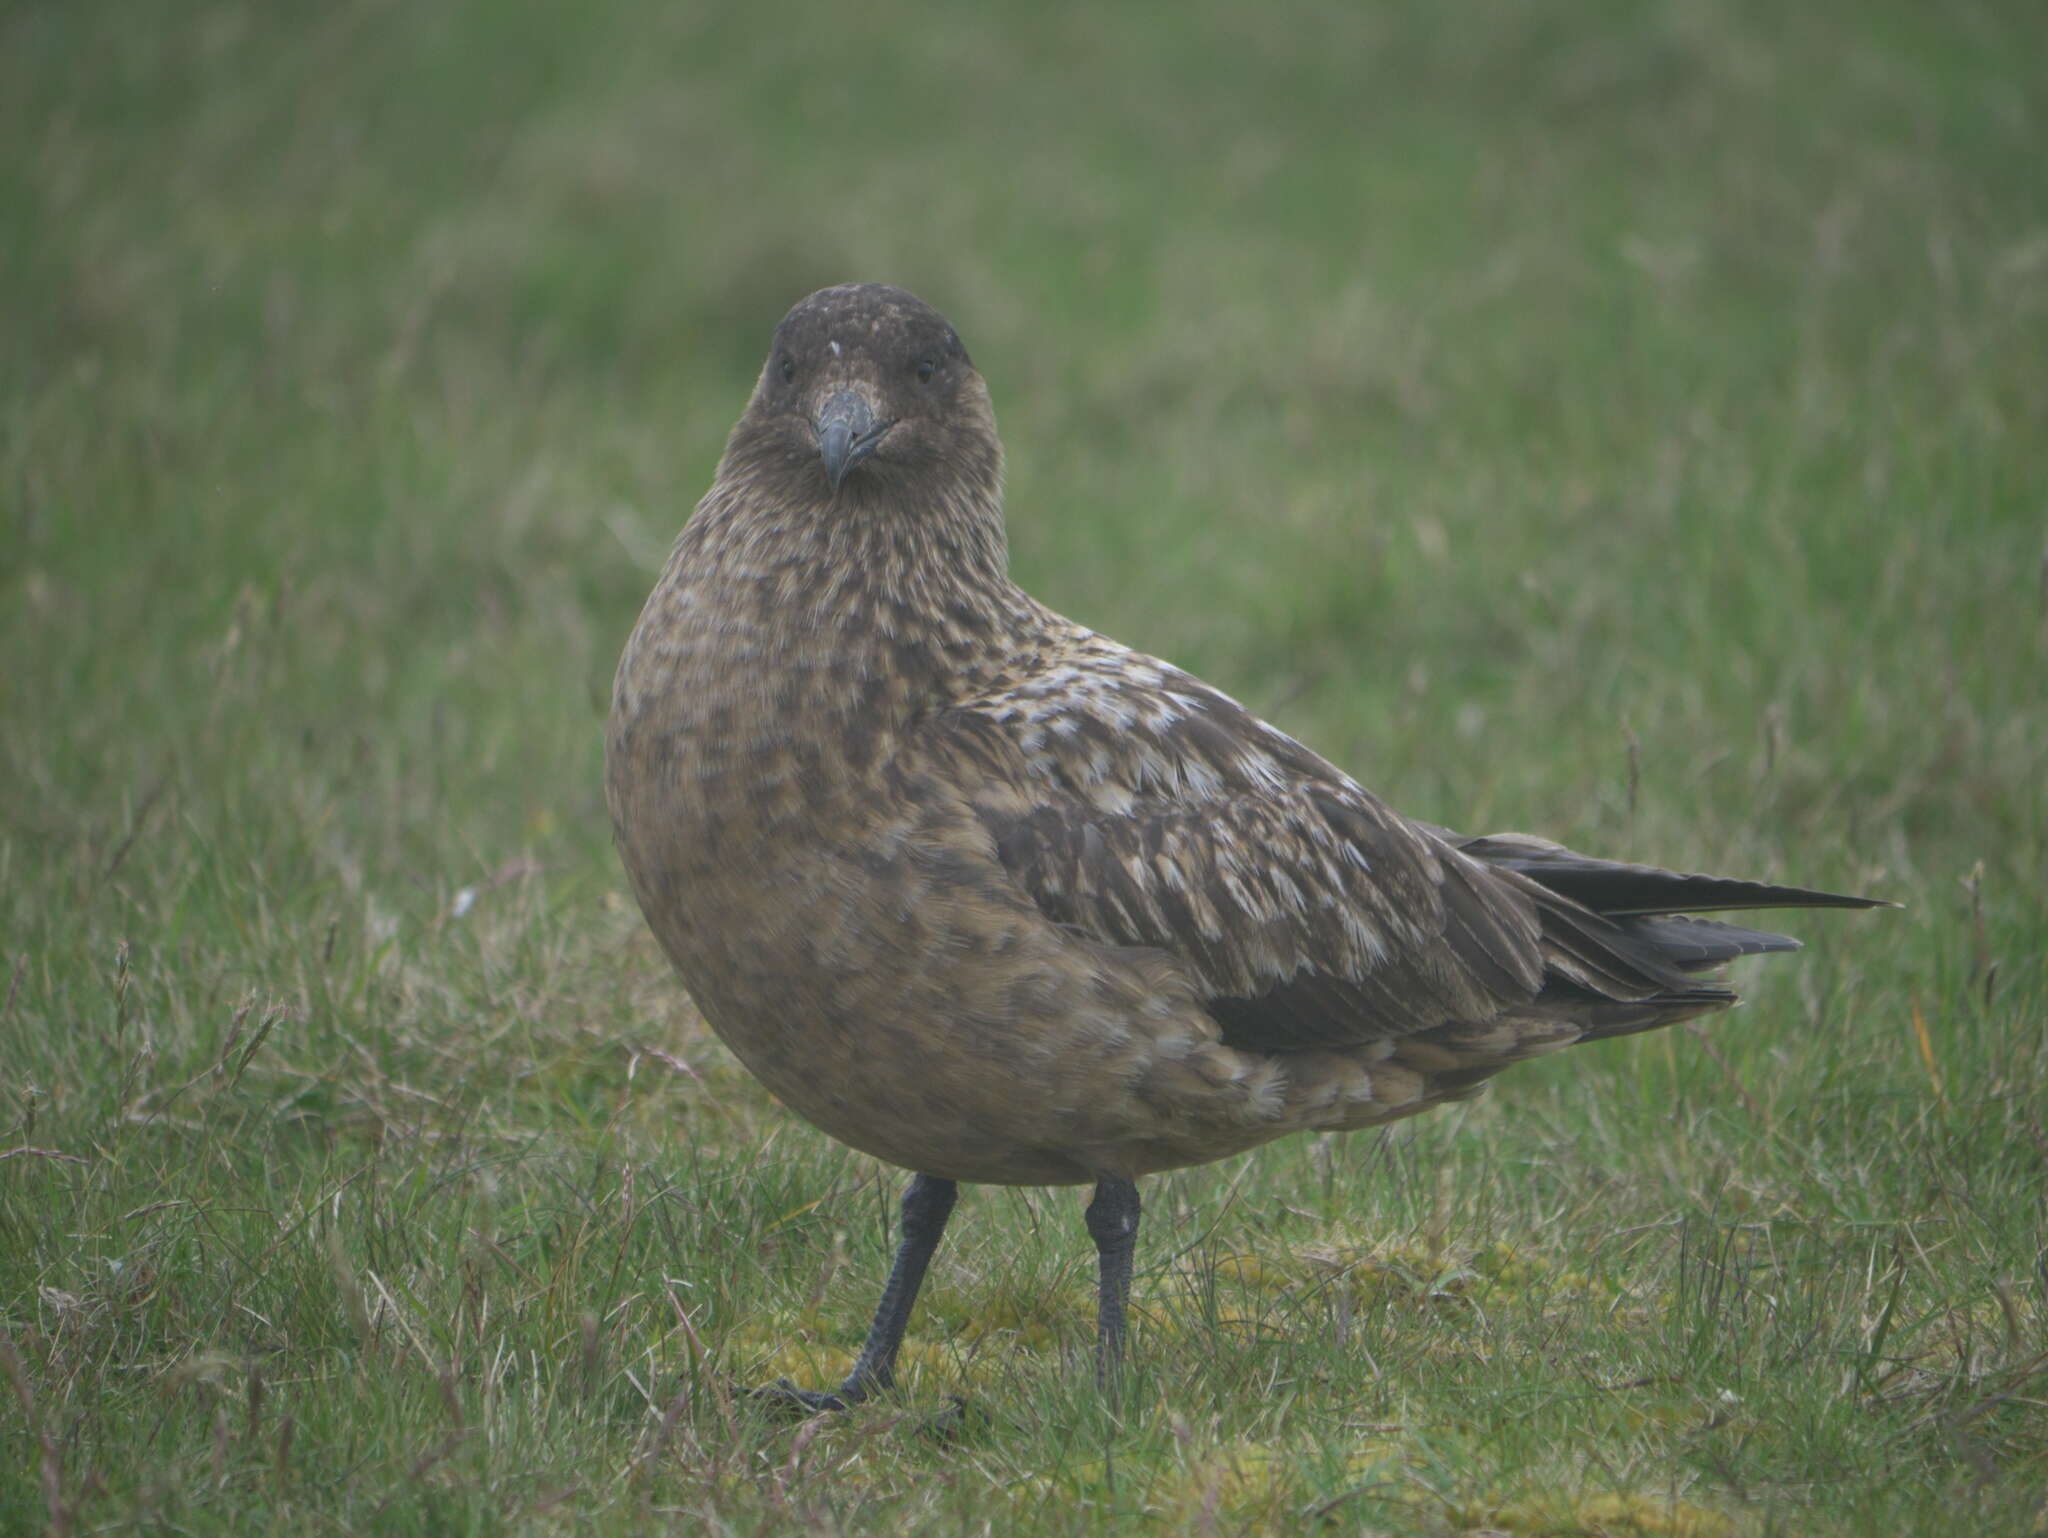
(993, 898)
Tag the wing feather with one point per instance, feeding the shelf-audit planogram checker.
(1139, 807)
(1313, 915)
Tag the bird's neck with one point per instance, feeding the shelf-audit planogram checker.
(795, 626)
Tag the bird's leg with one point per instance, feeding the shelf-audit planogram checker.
(1113, 1225)
(926, 1206)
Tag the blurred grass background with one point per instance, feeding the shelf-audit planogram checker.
(1623, 421)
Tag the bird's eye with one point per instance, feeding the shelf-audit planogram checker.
(926, 367)
(787, 367)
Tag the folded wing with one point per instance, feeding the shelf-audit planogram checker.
(1142, 808)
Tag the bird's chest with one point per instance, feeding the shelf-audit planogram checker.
(727, 790)
(805, 901)
(755, 794)
(752, 727)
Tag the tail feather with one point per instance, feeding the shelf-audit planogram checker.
(1619, 889)
(1694, 944)
(1623, 956)
(1608, 1019)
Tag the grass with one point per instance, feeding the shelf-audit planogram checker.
(1622, 421)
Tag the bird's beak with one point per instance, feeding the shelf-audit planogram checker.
(847, 432)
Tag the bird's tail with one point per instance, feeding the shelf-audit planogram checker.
(1618, 889)
(1625, 953)
(1621, 953)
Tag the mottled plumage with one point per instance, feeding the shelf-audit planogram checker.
(994, 898)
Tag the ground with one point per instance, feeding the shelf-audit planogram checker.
(1622, 422)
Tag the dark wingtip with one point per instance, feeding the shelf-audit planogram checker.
(1618, 888)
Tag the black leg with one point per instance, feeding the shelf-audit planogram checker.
(1113, 1225)
(926, 1206)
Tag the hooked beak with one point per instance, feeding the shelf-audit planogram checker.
(847, 433)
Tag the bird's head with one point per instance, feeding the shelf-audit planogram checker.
(867, 388)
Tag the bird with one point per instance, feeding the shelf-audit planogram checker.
(990, 897)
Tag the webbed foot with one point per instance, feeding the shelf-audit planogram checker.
(783, 1397)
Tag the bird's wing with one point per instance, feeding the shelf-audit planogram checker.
(1138, 806)
(1617, 887)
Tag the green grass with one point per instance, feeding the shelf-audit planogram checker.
(1619, 421)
